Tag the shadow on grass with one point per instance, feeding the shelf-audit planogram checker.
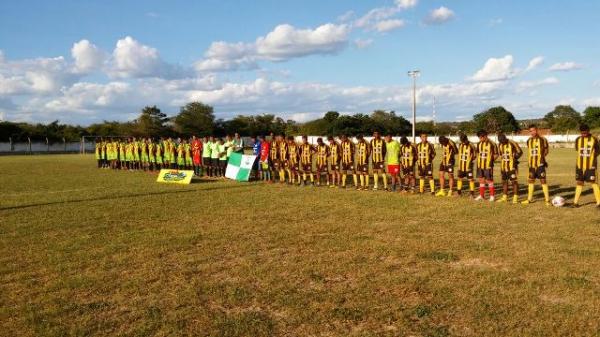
(127, 196)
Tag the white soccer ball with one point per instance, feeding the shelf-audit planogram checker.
(558, 201)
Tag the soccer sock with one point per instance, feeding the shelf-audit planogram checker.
(432, 185)
(376, 179)
(530, 189)
(362, 180)
(385, 184)
(482, 190)
(596, 193)
(421, 185)
(282, 176)
(546, 192)
(578, 190)
(492, 190)
(312, 178)
(304, 177)
(367, 180)
(472, 186)
(344, 179)
(459, 185)
(355, 179)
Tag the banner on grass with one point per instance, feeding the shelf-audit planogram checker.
(175, 176)
(239, 166)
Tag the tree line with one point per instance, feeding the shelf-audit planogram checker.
(198, 119)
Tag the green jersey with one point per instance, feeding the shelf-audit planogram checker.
(222, 149)
(392, 152)
(206, 148)
(230, 147)
(214, 150)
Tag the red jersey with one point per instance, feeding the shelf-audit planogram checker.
(265, 148)
(196, 151)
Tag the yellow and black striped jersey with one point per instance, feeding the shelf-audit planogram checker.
(274, 151)
(322, 154)
(283, 150)
(587, 152)
(306, 152)
(334, 153)
(292, 152)
(347, 152)
(537, 150)
(509, 155)
(466, 155)
(408, 155)
(486, 154)
(425, 153)
(378, 150)
(362, 153)
(450, 151)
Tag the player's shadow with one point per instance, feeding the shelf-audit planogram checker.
(202, 181)
(112, 197)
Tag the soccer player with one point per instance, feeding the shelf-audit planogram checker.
(362, 151)
(151, 154)
(256, 167)
(587, 148)
(197, 155)
(486, 155)
(293, 161)
(347, 160)
(447, 165)
(129, 154)
(136, 154)
(509, 153)
(283, 157)
(334, 162)
(466, 156)
(181, 155)
(265, 150)
(537, 150)
(322, 153)
(159, 154)
(223, 156)
(408, 155)
(274, 162)
(425, 156)
(207, 146)
(306, 154)
(99, 153)
(378, 149)
(392, 150)
(144, 157)
(214, 157)
(187, 149)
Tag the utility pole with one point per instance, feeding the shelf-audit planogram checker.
(433, 111)
(414, 74)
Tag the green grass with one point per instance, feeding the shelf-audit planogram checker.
(95, 252)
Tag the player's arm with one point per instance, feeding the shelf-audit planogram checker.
(519, 151)
(546, 148)
(432, 152)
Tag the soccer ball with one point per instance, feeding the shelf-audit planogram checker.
(558, 201)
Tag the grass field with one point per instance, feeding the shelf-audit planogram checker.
(96, 252)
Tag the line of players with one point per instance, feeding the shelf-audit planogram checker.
(286, 161)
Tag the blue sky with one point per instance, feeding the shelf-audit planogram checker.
(88, 61)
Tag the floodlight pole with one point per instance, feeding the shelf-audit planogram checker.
(414, 74)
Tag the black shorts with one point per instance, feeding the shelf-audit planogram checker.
(347, 167)
(378, 165)
(274, 164)
(362, 168)
(214, 162)
(537, 173)
(306, 167)
(465, 174)
(426, 171)
(447, 168)
(335, 167)
(292, 166)
(408, 170)
(509, 175)
(206, 161)
(322, 168)
(588, 176)
(222, 163)
(487, 174)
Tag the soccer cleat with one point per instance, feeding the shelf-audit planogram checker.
(441, 193)
(375, 188)
(479, 198)
(492, 198)
(547, 203)
(574, 205)
(526, 202)
(503, 199)
(515, 200)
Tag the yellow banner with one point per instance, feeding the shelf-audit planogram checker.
(175, 176)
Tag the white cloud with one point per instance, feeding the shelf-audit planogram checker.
(346, 16)
(34, 76)
(565, 66)
(152, 15)
(405, 4)
(375, 15)
(524, 85)
(534, 63)
(495, 69)
(362, 43)
(389, 25)
(133, 59)
(283, 43)
(439, 16)
(594, 101)
(88, 57)
(495, 22)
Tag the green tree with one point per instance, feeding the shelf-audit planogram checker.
(388, 123)
(151, 122)
(563, 118)
(591, 116)
(496, 119)
(195, 118)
